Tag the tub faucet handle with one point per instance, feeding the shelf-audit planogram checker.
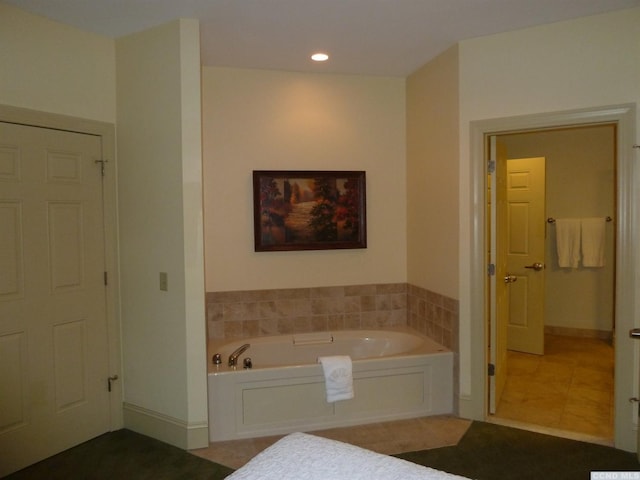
(246, 363)
(217, 359)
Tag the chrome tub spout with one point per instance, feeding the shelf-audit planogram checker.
(233, 358)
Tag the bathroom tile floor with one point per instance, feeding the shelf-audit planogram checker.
(569, 388)
(387, 437)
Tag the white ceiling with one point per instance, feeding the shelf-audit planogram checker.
(368, 37)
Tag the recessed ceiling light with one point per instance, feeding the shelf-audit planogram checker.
(319, 57)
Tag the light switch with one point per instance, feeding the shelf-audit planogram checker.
(164, 282)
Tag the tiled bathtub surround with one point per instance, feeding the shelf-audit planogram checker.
(251, 313)
(433, 315)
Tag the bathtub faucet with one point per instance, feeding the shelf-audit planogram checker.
(233, 358)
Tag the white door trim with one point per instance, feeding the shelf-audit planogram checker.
(106, 132)
(627, 268)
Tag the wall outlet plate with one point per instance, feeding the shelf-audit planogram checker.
(164, 282)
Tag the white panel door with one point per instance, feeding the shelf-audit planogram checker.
(526, 253)
(53, 333)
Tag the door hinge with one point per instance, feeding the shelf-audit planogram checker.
(491, 269)
(491, 370)
(102, 165)
(106, 279)
(491, 166)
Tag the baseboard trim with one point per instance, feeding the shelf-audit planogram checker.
(578, 332)
(165, 428)
(469, 409)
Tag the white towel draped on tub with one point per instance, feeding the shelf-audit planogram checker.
(338, 377)
(593, 240)
(568, 242)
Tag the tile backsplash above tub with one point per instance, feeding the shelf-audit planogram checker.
(251, 313)
(433, 315)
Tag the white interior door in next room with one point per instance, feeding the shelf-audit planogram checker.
(53, 332)
(526, 228)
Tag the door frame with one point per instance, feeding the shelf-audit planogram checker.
(627, 269)
(106, 132)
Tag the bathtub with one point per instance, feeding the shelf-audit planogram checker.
(398, 373)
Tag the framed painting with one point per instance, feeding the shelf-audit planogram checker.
(309, 210)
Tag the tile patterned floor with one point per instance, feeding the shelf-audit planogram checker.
(569, 388)
(388, 437)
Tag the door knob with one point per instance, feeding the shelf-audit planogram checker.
(634, 333)
(536, 266)
(510, 278)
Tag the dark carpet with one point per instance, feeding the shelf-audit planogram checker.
(490, 452)
(123, 455)
(486, 452)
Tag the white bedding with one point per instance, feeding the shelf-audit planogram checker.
(300, 456)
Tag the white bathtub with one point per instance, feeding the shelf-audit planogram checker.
(397, 374)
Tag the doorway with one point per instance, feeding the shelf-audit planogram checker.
(559, 367)
(474, 335)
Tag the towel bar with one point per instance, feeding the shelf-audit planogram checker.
(553, 220)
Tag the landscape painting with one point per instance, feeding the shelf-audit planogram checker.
(309, 210)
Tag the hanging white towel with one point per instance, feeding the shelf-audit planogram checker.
(593, 241)
(338, 377)
(568, 242)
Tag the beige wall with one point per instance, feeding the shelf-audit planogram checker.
(51, 67)
(266, 120)
(592, 61)
(159, 178)
(432, 175)
(580, 181)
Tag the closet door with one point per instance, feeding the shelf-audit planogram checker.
(53, 332)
